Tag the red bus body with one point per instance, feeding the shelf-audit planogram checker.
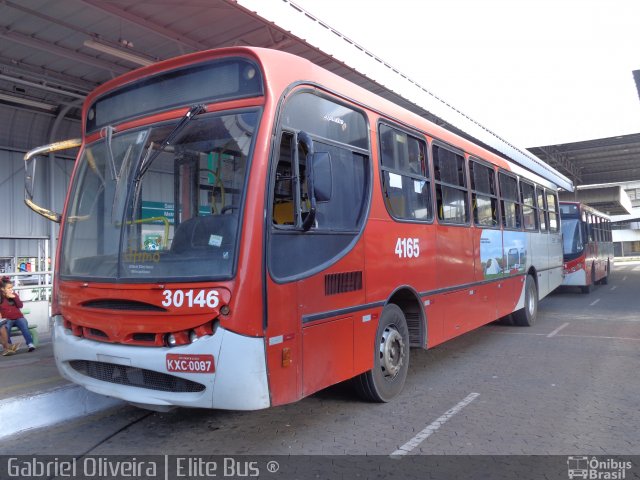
(588, 246)
(299, 310)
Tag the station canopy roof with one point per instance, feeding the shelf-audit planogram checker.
(53, 52)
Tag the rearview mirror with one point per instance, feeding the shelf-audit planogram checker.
(30, 174)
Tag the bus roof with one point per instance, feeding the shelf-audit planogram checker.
(302, 70)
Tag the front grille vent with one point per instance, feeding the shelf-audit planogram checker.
(135, 377)
(342, 282)
(97, 333)
(144, 337)
(123, 305)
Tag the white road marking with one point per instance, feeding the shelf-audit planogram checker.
(594, 302)
(433, 427)
(553, 334)
(624, 278)
(614, 287)
(601, 336)
(573, 335)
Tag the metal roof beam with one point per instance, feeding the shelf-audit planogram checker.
(39, 86)
(42, 74)
(60, 51)
(146, 24)
(561, 159)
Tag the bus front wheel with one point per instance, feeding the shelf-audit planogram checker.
(526, 316)
(391, 358)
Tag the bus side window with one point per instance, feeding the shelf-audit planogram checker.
(552, 205)
(484, 194)
(542, 209)
(451, 186)
(510, 202)
(405, 175)
(529, 210)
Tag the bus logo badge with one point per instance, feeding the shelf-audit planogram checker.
(578, 467)
(597, 469)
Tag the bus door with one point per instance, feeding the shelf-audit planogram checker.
(314, 253)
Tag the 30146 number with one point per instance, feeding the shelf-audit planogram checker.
(190, 298)
(408, 248)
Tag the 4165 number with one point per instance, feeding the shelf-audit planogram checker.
(408, 248)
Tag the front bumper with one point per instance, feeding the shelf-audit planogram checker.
(576, 279)
(239, 382)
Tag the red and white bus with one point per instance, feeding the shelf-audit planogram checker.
(587, 246)
(244, 228)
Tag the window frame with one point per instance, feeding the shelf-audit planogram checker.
(426, 171)
(542, 209)
(438, 183)
(474, 193)
(517, 202)
(556, 210)
(534, 207)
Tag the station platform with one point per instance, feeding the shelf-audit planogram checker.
(34, 395)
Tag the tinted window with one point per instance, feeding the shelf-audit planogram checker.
(214, 81)
(510, 202)
(483, 194)
(325, 118)
(451, 186)
(405, 183)
(529, 209)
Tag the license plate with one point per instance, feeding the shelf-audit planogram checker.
(190, 363)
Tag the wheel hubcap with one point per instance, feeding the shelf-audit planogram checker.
(391, 351)
(532, 302)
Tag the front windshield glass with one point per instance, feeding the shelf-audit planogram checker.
(572, 237)
(177, 221)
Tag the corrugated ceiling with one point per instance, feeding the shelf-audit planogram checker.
(43, 56)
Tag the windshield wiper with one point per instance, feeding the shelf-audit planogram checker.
(150, 157)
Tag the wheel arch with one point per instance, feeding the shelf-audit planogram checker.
(409, 301)
(534, 273)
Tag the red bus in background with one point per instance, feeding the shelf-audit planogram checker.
(244, 228)
(587, 246)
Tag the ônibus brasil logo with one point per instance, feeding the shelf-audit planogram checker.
(597, 469)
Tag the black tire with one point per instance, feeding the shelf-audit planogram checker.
(390, 358)
(605, 280)
(526, 316)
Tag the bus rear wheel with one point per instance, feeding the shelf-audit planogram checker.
(391, 358)
(605, 280)
(526, 316)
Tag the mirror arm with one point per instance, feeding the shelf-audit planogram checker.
(28, 192)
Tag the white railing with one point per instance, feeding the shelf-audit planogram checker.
(32, 286)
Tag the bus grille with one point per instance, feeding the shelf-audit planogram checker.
(118, 304)
(135, 377)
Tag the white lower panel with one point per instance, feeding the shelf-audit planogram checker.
(239, 382)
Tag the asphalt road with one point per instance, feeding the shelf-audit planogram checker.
(567, 386)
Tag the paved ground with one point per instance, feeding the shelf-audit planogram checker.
(569, 385)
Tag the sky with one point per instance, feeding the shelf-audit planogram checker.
(536, 72)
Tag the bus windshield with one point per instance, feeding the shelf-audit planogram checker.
(573, 243)
(175, 218)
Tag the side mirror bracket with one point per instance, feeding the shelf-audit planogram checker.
(30, 173)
